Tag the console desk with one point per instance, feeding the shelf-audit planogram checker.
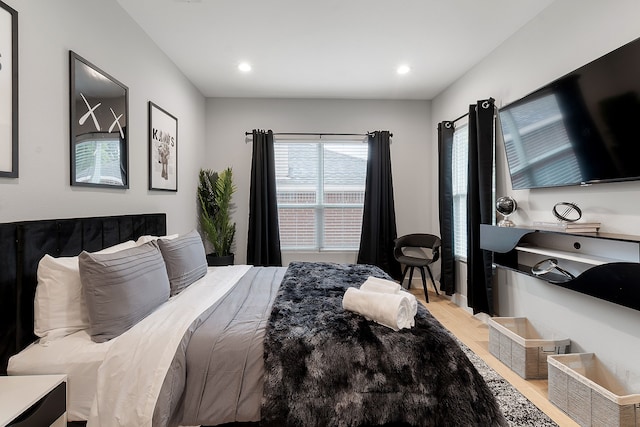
(605, 266)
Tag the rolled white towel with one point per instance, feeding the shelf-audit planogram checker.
(388, 309)
(375, 284)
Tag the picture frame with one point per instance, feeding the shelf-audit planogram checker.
(163, 149)
(99, 117)
(8, 91)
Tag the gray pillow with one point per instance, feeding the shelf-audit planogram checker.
(122, 288)
(185, 259)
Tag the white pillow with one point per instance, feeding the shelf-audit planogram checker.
(148, 238)
(119, 247)
(59, 308)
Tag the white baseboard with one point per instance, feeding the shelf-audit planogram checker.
(458, 299)
(461, 301)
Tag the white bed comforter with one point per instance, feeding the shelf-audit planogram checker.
(130, 378)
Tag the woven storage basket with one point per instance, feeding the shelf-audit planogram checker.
(585, 390)
(518, 345)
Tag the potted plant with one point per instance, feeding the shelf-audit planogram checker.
(214, 193)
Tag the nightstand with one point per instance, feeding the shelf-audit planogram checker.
(33, 400)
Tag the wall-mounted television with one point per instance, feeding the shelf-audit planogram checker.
(580, 129)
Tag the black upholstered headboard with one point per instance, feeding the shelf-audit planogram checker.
(23, 244)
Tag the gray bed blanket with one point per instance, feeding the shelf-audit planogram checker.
(217, 373)
(325, 366)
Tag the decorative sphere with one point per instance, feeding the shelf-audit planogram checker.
(506, 205)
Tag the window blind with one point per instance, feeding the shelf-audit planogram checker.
(460, 158)
(320, 193)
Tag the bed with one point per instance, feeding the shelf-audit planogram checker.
(240, 344)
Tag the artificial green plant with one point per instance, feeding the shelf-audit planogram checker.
(215, 191)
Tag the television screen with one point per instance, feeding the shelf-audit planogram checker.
(582, 128)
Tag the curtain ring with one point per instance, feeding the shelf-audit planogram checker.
(485, 104)
(447, 125)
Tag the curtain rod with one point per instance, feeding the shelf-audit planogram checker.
(320, 134)
(460, 118)
(488, 103)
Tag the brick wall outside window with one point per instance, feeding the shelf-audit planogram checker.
(320, 194)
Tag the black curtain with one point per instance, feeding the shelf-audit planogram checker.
(445, 204)
(480, 205)
(263, 242)
(379, 216)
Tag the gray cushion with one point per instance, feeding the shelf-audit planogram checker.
(122, 288)
(185, 259)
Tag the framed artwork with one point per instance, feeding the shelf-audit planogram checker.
(163, 149)
(8, 92)
(99, 119)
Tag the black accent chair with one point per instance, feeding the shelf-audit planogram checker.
(417, 257)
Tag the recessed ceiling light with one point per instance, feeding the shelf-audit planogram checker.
(403, 69)
(245, 67)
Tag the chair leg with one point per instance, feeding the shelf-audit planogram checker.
(404, 274)
(424, 285)
(410, 278)
(433, 281)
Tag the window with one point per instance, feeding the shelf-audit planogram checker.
(320, 193)
(459, 182)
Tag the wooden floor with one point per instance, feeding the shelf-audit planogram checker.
(475, 334)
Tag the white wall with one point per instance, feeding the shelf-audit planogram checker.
(563, 37)
(101, 32)
(412, 149)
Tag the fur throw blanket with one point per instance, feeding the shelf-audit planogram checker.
(329, 367)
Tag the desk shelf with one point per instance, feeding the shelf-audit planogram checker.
(569, 256)
(614, 277)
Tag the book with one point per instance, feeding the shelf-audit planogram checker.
(581, 230)
(570, 227)
(559, 224)
(582, 224)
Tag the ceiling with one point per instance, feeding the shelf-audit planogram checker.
(328, 48)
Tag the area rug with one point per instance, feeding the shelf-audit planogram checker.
(517, 409)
